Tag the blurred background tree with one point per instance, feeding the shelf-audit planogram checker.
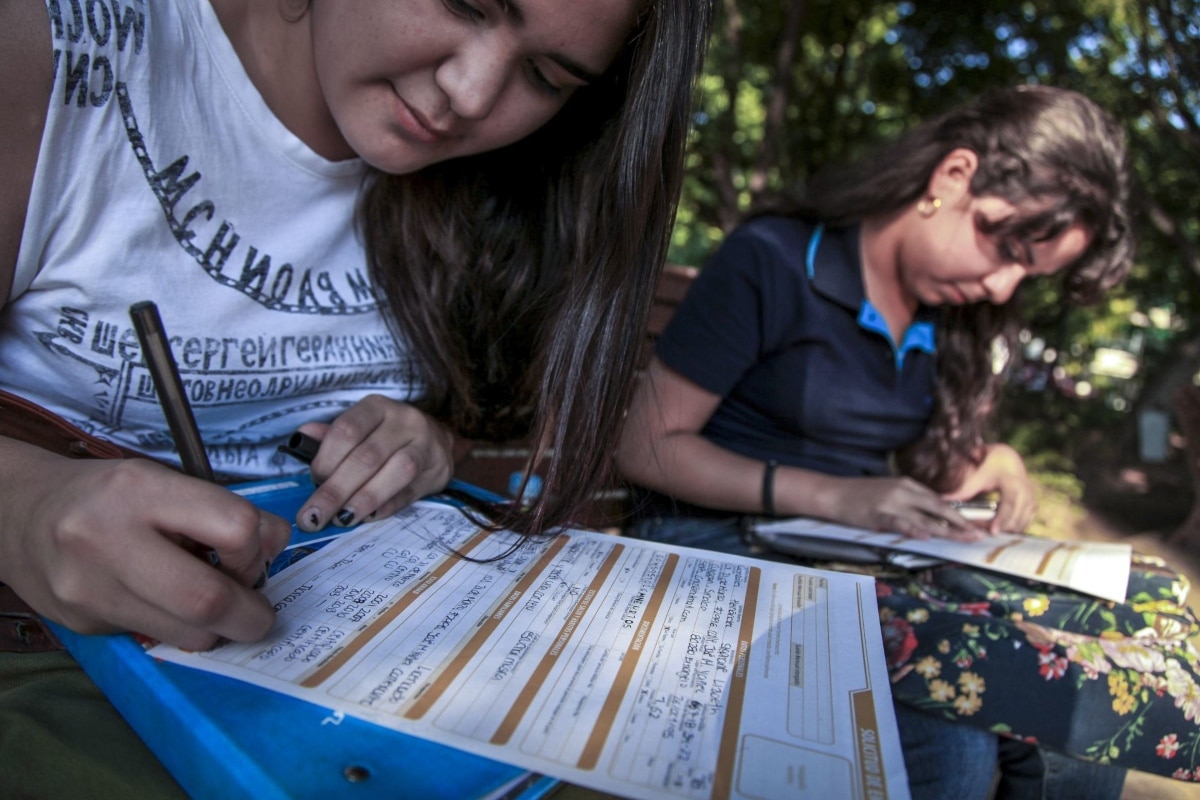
(791, 85)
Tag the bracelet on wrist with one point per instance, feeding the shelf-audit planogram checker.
(768, 488)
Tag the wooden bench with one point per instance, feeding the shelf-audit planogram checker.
(498, 467)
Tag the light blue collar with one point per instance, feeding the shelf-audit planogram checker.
(921, 333)
(919, 336)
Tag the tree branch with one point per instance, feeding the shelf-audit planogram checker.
(780, 97)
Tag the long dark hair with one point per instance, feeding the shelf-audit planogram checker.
(520, 279)
(1032, 141)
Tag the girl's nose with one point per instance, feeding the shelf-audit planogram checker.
(475, 76)
(1002, 282)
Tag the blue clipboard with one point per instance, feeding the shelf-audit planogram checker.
(224, 738)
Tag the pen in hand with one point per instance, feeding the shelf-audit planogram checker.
(975, 510)
(301, 447)
(156, 350)
(165, 374)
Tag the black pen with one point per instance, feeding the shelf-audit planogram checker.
(171, 398)
(165, 374)
(301, 447)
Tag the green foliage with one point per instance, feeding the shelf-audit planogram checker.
(1048, 428)
(1061, 482)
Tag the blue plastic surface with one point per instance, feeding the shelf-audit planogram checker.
(223, 738)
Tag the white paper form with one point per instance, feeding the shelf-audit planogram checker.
(1096, 568)
(630, 667)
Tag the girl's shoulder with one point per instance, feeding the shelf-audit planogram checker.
(775, 248)
(777, 231)
(27, 64)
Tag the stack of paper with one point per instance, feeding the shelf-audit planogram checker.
(1096, 568)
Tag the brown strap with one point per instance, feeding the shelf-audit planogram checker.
(26, 421)
(21, 629)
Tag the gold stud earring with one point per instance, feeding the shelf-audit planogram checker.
(929, 206)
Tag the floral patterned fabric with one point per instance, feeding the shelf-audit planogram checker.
(1116, 683)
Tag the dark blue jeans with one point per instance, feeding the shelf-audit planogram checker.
(945, 760)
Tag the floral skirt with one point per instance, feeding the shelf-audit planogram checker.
(1116, 683)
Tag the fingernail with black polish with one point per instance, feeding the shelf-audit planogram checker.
(262, 580)
(344, 517)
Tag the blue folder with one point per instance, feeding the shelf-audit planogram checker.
(224, 738)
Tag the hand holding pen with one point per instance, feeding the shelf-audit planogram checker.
(95, 545)
(1001, 475)
(164, 372)
(375, 458)
(303, 448)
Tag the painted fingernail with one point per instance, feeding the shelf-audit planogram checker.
(310, 519)
(344, 517)
(262, 580)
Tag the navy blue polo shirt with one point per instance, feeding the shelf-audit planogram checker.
(778, 324)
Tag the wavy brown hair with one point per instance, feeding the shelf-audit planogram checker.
(520, 279)
(1052, 144)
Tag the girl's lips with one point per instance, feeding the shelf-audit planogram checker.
(415, 125)
(956, 295)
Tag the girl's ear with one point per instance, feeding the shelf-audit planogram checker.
(951, 178)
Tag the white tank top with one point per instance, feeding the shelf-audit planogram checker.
(164, 176)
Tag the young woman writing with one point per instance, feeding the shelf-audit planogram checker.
(395, 224)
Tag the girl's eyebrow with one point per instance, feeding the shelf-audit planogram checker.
(512, 9)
